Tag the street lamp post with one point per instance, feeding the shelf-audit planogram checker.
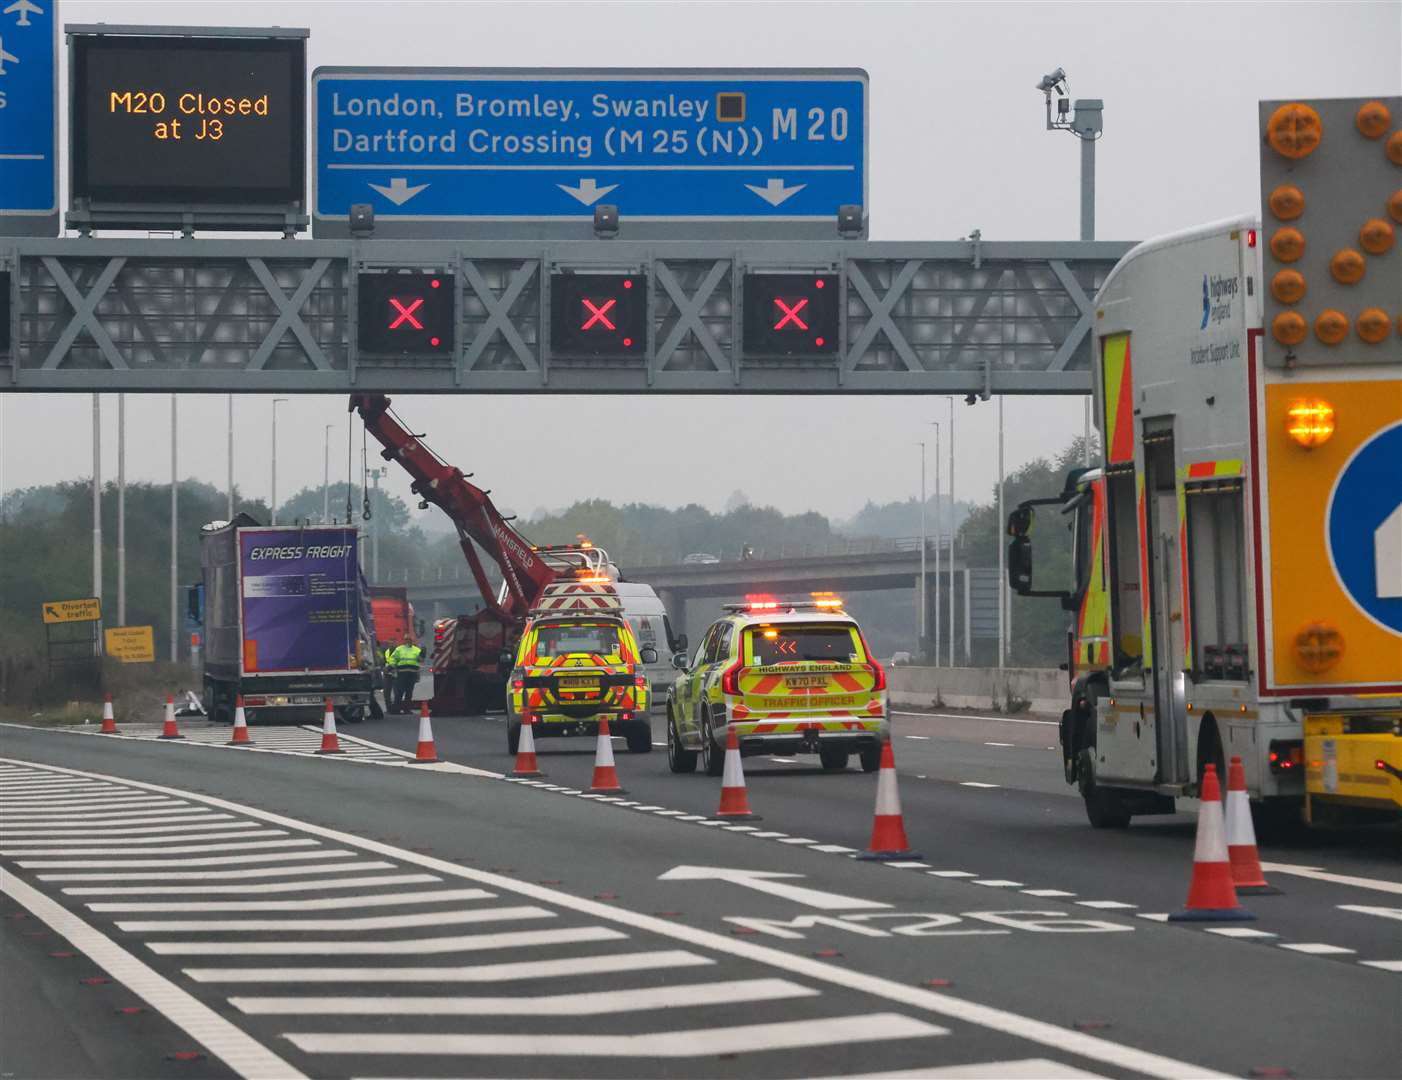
(326, 476)
(939, 531)
(272, 509)
(952, 525)
(920, 646)
(230, 507)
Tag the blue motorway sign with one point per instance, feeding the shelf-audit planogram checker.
(29, 117)
(1365, 528)
(511, 146)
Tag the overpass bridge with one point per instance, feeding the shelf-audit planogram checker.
(841, 566)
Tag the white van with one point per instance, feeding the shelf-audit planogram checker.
(645, 614)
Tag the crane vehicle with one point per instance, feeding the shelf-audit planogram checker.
(1237, 557)
(472, 653)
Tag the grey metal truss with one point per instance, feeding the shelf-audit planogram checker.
(279, 316)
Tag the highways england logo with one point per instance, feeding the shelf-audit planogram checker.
(1217, 296)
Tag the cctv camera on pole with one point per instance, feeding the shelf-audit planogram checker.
(1086, 124)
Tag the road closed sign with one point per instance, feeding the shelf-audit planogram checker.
(1333, 537)
(88, 609)
(131, 644)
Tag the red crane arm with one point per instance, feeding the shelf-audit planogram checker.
(466, 505)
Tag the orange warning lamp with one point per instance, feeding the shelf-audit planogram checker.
(1289, 328)
(1394, 205)
(1288, 244)
(1373, 119)
(1288, 286)
(1376, 236)
(1287, 202)
(1331, 327)
(1348, 266)
(1318, 647)
(1294, 130)
(1373, 325)
(1310, 422)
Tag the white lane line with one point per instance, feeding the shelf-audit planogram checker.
(326, 903)
(1238, 932)
(1105, 905)
(60, 805)
(833, 849)
(1152, 916)
(512, 971)
(917, 738)
(908, 865)
(1318, 874)
(976, 783)
(313, 885)
(797, 840)
(998, 719)
(240, 1051)
(1365, 909)
(398, 947)
(120, 817)
(1316, 948)
(669, 813)
(692, 817)
(218, 875)
(696, 1042)
(154, 841)
(642, 809)
(768, 835)
(368, 922)
(88, 832)
(1048, 893)
(1091, 1047)
(998, 883)
(1384, 965)
(951, 873)
(161, 864)
(46, 786)
(1024, 1069)
(187, 849)
(742, 828)
(588, 1003)
(999, 744)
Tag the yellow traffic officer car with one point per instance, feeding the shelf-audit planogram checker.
(791, 677)
(574, 667)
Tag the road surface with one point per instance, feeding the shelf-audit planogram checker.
(187, 909)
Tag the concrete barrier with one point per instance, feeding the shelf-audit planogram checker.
(1038, 690)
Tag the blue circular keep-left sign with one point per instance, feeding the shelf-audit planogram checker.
(1364, 527)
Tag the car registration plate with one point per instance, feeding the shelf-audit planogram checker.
(579, 684)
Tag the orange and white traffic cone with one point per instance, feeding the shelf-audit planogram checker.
(109, 722)
(1211, 896)
(240, 737)
(170, 731)
(605, 781)
(330, 743)
(734, 799)
(1241, 836)
(525, 751)
(426, 753)
(888, 827)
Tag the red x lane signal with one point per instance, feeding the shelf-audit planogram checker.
(791, 313)
(597, 313)
(406, 314)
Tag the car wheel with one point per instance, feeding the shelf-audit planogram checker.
(871, 758)
(679, 759)
(712, 756)
(513, 737)
(639, 736)
(833, 760)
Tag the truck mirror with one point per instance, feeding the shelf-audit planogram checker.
(1020, 564)
(1020, 521)
(648, 654)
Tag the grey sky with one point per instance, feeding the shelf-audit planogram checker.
(957, 143)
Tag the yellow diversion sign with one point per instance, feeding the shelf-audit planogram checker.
(131, 644)
(62, 611)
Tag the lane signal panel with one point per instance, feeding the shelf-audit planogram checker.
(791, 314)
(406, 314)
(598, 315)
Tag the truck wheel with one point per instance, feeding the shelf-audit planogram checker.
(871, 758)
(833, 760)
(513, 737)
(712, 756)
(639, 736)
(679, 759)
(1104, 809)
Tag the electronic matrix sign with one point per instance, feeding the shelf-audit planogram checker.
(201, 122)
(406, 314)
(598, 314)
(791, 314)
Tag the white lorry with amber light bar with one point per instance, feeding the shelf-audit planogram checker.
(1234, 565)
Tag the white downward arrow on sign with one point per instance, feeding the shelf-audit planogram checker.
(589, 192)
(765, 881)
(774, 191)
(399, 190)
